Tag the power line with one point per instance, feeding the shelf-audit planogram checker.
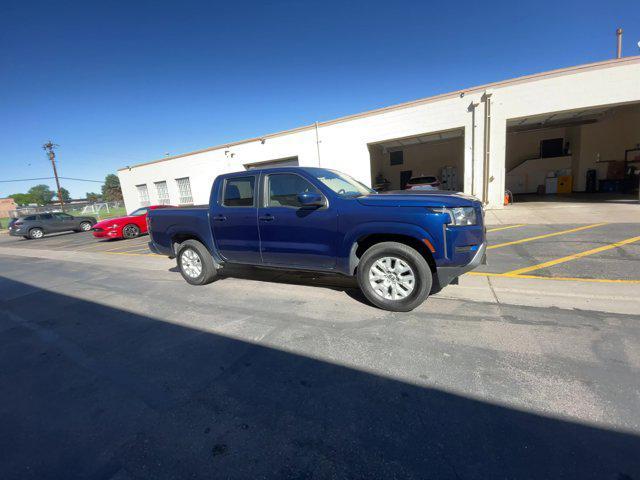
(51, 178)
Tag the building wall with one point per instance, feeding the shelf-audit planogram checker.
(343, 144)
(6, 206)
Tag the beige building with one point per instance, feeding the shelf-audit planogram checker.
(536, 133)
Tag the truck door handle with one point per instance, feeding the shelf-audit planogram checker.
(267, 218)
(219, 218)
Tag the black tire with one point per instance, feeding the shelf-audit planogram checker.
(84, 227)
(35, 233)
(422, 276)
(208, 271)
(130, 231)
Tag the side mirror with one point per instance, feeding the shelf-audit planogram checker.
(310, 199)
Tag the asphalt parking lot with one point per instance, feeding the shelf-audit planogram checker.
(593, 252)
(112, 367)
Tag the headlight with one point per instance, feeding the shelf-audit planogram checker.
(115, 225)
(463, 216)
(460, 216)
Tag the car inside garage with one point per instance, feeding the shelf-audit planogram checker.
(590, 154)
(395, 162)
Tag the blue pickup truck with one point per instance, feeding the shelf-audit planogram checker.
(401, 246)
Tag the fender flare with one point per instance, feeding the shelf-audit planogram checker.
(350, 242)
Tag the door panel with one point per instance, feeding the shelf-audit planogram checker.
(234, 220)
(50, 223)
(64, 222)
(294, 235)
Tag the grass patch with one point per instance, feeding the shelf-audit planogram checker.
(113, 212)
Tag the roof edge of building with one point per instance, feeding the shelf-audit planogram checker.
(502, 83)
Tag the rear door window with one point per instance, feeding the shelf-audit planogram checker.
(46, 216)
(239, 192)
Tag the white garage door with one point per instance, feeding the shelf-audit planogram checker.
(284, 162)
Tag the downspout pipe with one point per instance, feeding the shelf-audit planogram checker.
(317, 143)
(472, 109)
(487, 147)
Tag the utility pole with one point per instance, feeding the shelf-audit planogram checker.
(49, 147)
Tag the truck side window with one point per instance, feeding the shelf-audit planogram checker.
(238, 192)
(284, 189)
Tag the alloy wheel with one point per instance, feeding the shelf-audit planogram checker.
(392, 278)
(191, 263)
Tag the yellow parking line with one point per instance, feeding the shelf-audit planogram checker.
(93, 245)
(125, 247)
(538, 237)
(137, 249)
(565, 279)
(575, 256)
(134, 254)
(505, 228)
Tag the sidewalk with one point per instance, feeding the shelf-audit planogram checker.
(564, 212)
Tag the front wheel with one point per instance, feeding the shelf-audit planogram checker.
(195, 263)
(394, 276)
(130, 231)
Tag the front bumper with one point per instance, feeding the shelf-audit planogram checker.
(114, 233)
(446, 275)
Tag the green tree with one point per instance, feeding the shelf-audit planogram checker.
(41, 194)
(22, 198)
(93, 197)
(111, 190)
(66, 196)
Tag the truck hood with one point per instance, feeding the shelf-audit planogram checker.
(419, 198)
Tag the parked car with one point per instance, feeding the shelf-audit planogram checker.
(399, 245)
(423, 183)
(38, 225)
(131, 226)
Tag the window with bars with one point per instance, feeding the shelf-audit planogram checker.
(184, 187)
(143, 195)
(163, 193)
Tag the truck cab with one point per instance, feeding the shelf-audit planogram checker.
(400, 245)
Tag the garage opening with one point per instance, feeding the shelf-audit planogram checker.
(435, 158)
(281, 162)
(581, 155)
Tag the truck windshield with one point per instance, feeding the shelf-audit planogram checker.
(342, 184)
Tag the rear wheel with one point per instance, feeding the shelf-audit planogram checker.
(36, 233)
(195, 263)
(394, 276)
(130, 231)
(85, 226)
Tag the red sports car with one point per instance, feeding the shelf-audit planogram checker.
(131, 226)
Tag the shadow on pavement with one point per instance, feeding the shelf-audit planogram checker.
(92, 391)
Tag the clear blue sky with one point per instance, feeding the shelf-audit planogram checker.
(120, 82)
